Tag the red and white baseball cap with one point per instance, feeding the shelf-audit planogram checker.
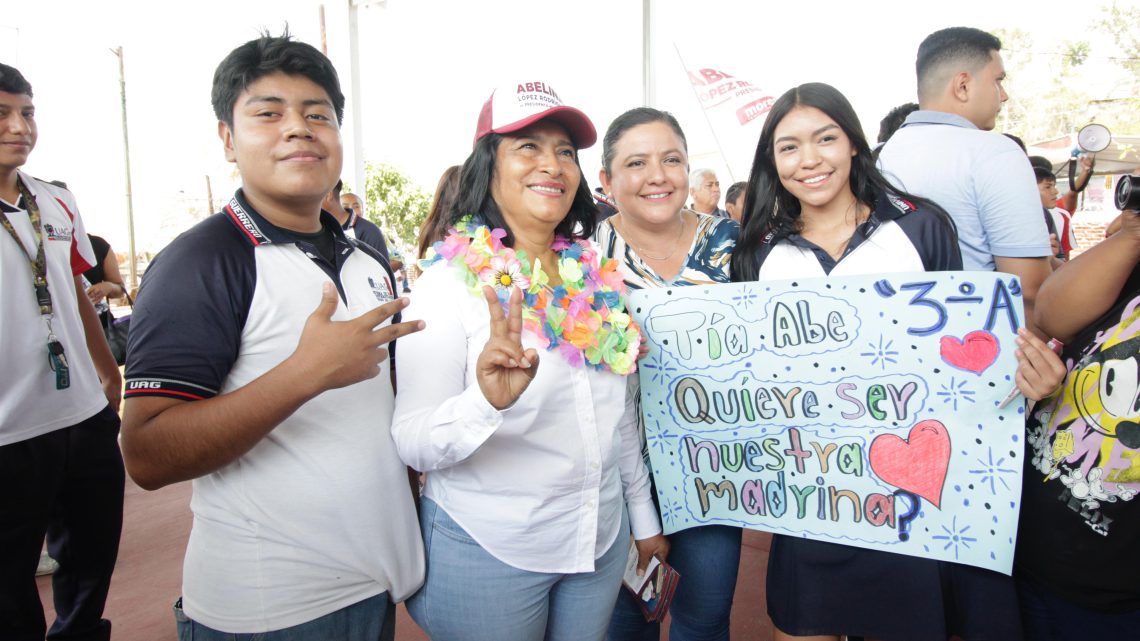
(519, 105)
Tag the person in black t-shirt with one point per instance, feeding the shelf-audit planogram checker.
(1076, 561)
(105, 278)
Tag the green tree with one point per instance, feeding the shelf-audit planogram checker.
(1121, 112)
(394, 203)
(1044, 100)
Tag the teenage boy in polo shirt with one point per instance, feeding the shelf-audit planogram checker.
(60, 468)
(946, 152)
(304, 526)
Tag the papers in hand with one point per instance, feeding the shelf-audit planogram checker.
(654, 589)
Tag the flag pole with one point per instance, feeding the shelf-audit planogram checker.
(705, 113)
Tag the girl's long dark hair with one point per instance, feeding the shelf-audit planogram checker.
(435, 226)
(771, 209)
(474, 197)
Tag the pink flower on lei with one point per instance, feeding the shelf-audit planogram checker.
(504, 271)
(452, 246)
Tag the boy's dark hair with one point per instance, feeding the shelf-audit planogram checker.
(894, 119)
(475, 199)
(966, 47)
(12, 81)
(1042, 162)
(1042, 175)
(267, 55)
(337, 188)
(1018, 141)
(630, 119)
(734, 191)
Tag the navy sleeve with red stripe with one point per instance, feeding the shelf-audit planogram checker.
(192, 305)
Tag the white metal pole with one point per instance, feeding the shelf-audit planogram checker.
(708, 121)
(648, 90)
(127, 159)
(356, 108)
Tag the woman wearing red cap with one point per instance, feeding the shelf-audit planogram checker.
(516, 398)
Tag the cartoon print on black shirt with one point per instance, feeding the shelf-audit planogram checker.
(1087, 435)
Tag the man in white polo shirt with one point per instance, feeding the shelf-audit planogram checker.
(304, 526)
(60, 468)
(947, 152)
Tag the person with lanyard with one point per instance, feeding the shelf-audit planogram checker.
(816, 206)
(535, 477)
(657, 242)
(60, 466)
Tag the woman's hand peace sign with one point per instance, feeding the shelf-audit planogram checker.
(505, 369)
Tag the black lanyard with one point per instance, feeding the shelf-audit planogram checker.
(38, 263)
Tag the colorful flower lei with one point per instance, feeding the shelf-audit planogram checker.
(583, 319)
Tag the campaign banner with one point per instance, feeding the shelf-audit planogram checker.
(733, 106)
(857, 410)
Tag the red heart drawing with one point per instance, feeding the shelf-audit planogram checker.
(974, 353)
(917, 464)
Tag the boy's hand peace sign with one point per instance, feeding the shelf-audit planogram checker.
(505, 369)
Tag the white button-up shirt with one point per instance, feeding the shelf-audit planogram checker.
(539, 485)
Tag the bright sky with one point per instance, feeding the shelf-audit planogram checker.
(428, 65)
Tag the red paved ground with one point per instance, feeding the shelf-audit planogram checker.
(149, 573)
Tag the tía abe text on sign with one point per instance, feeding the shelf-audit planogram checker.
(857, 410)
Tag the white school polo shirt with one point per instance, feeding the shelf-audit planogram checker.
(318, 515)
(30, 405)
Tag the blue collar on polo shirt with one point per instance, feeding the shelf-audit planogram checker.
(888, 207)
(922, 117)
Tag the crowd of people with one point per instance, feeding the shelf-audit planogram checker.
(273, 362)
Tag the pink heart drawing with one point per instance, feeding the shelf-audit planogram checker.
(917, 464)
(974, 353)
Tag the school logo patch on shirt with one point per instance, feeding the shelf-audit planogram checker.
(903, 206)
(381, 290)
(57, 233)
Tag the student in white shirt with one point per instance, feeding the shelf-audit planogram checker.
(521, 418)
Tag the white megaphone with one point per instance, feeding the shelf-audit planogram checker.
(1091, 138)
(1094, 138)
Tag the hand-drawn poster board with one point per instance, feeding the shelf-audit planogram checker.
(858, 410)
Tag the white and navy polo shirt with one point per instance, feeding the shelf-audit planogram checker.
(897, 237)
(317, 516)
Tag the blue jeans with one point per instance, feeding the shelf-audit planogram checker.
(707, 558)
(373, 619)
(1048, 617)
(470, 595)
